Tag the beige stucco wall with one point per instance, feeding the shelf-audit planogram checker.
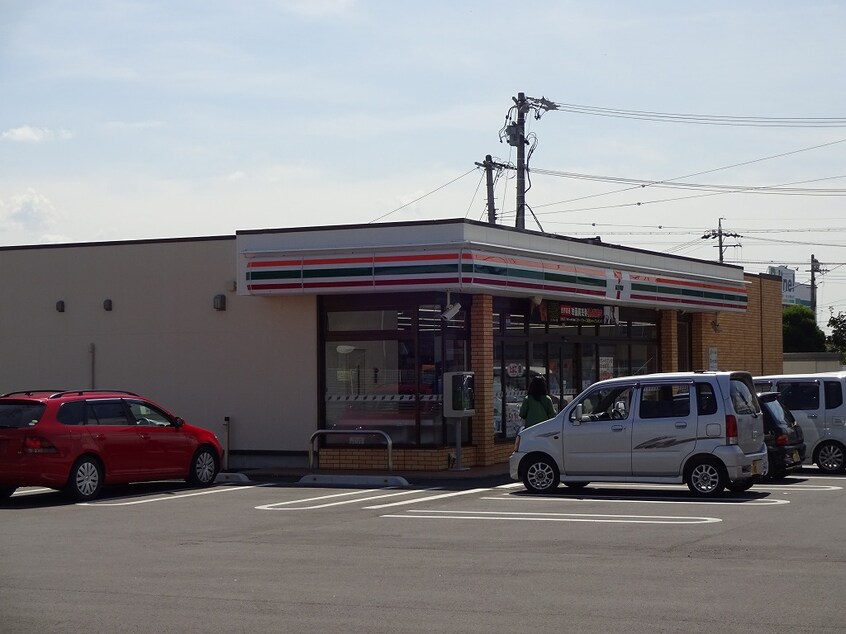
(255, 362)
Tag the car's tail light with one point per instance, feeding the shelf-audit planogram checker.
(731, 429)
(781, 439)
(37, 444)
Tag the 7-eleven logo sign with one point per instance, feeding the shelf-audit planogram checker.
(618, 285)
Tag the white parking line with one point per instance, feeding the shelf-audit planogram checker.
(275, 506)
(555, 517)
(673, 500)
(427, 499)
(177, 496)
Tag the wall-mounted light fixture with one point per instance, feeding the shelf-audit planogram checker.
(107, 304)
(219, 302)
(60, 306)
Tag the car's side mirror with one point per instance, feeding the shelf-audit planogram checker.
(178, 422)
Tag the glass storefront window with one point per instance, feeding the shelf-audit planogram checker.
(396, 320)
(383, 368)
(371, 385)
(644, 358)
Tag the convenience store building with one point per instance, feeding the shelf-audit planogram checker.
(271, 335)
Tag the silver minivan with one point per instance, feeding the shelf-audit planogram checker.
(816, 402)
(701, 428)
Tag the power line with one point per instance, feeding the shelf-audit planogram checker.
(755, 189)
(709, 171)
(697, 119)
(422, 197)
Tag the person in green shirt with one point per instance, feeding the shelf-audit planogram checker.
(537, 406)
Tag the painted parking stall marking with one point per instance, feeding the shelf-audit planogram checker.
(743, 502)
(176, 496)
(297, 505)
(429, 498)
(553, 517)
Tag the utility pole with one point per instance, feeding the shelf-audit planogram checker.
(815, 268)
(719, 234)
(489, 164)
(521, 160)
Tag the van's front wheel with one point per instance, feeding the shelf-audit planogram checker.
(540, 474)
(831, 457)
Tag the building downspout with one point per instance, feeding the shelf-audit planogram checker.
(761, 321)
(92, 351)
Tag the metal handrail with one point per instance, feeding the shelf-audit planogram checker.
(367, 432)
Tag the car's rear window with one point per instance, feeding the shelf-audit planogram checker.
(781, 416)
(14, 414)
(742, 398)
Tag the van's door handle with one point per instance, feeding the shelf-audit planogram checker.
(681, 424)
(812, 416)
(617, 427)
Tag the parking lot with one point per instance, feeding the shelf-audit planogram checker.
(269, 556)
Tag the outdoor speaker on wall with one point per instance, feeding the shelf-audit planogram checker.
(60, 306)
(219, 302)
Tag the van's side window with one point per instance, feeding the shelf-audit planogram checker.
(706, 402)
(833, 395)
(605, 404)
(742, 399)
(800, 394)
(665, 401)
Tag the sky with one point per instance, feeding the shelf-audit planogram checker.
(125, 119)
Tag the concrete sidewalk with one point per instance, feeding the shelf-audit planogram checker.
(492, 475)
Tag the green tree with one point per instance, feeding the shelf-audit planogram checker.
(837, 340)
(800, 330)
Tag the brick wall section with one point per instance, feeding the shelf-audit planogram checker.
(669, 341)
(482, 364)
(376, 459)
(750, 341)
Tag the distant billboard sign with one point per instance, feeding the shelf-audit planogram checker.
(788, 283)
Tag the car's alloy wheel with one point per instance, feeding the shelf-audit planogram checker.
(706, 478)
(86, 479)
(204, 467)
(540, 475)
(831, 458)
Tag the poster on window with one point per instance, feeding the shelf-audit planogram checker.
(606, 368)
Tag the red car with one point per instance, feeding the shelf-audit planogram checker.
(79, 441)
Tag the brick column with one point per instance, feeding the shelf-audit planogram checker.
(481, 363)
(669, 341)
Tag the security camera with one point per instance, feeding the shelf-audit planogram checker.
(451, 311)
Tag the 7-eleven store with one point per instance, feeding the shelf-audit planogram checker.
(572, 311)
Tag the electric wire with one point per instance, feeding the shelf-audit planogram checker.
(697, 119)
(423, 196)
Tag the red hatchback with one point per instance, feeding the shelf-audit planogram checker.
(78, 441)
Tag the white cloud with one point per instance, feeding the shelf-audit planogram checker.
(32, 211)
(30, 134)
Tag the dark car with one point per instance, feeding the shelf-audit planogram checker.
(80, 440)
(785, 442)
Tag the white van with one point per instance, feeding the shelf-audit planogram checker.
(701, 428)
(817, 404)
